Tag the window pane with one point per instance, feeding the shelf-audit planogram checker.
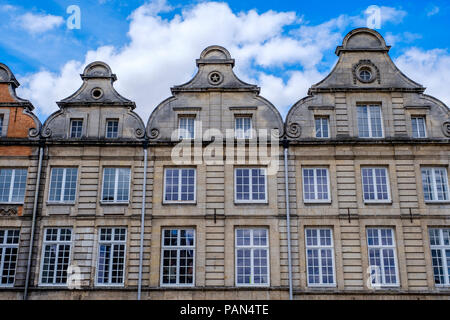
(178, 256)
(112, 128)
(186, 127)
(56, 255)
(250, 184)
(76, 128)
(109, 178)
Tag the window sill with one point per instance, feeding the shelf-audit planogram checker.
(180, 203)
(239, 203)
(252, 285)
(378, 202)
(12, 203)
(48, 203)
(177, 286)
(114, 203)
(438, 202)
(110, 286)
(317, 202)
(322, 286)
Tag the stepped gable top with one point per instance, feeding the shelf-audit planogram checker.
(365, 49)
(97, 88)
(215, 72)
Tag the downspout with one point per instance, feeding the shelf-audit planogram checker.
(33, 222)
(141, 249)
(288, 218)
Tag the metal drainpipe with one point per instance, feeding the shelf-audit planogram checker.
(288, 218)
(141, 250)
(33, 222)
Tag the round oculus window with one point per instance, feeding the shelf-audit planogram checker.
(97, 93)
(365, 75)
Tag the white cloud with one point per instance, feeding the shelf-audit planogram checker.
(433, 11)
(431, 68)
(161, 53)
(38, 23)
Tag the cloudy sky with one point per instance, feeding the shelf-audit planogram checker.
(284, 46)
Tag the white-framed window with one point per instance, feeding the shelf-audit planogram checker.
(63, 185)
(12, 185)
(76, 128)
(178, 257)
(243, 127)
(440, 255)
(186, 127)
(250, 185)
(435, 184)
(112, 128)
(179, 185)
(252, 257)
(322, 127)
(116, 185)
(112, 244)
(375, 184)
(56, 250)
(382, 257)
(370, 122)
(9, 247)
(320, 257)
(316, 185)
(419, 129)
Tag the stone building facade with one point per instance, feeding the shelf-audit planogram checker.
(195, 204)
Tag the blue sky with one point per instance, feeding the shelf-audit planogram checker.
(282, 46)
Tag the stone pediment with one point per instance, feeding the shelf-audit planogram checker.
(364, 65)
(215, 72)
(97, 88)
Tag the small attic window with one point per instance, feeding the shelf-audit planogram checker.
(365, 75)
(97, 93)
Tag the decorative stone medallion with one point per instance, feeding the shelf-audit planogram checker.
(215, 78)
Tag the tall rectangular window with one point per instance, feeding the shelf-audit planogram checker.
(76, 128)
(320, 257)
(12, 185)
(112, 128)
(186, 127)
(116, 185)
(252, 257)
(111, 256)
(369, 121)
(63, 185)
(316, 187)
(375, 184)
(9, 246)
(178, 257)
(243, 127)
(322, 130)
(1, 125)
(419, 129)
(250, 185)
(56, 250)
(440, 255)
(179, 184)
(435, 184)
(382, 257)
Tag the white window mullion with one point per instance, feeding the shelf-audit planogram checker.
(11, 187)
(369, 122)
(63, 185)
(116, 183)
(375, 184)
